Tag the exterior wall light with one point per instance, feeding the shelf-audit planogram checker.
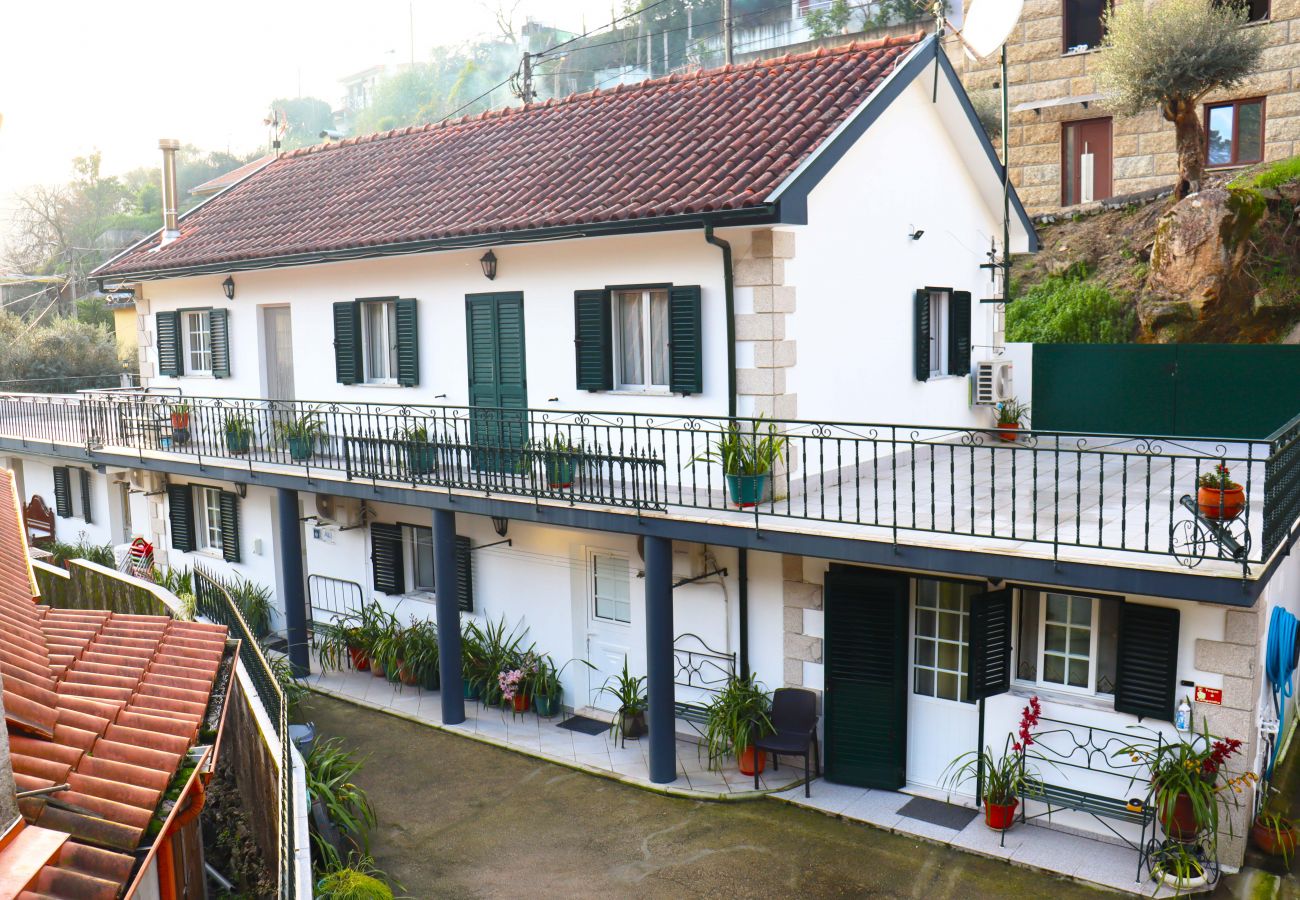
(489, 262)
(499, 525)
(229, 287)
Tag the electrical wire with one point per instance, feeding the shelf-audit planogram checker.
(612, 23)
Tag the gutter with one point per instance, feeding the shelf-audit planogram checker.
(729, 291)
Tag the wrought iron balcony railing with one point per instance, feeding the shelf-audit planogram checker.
(1104, 492)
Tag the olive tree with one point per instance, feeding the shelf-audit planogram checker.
(1170, 54)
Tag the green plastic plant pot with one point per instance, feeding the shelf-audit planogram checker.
(237, 442)
(746, 490)
(300, 448)
(420, 459)
(546, 706)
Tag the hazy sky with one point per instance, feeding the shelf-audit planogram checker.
(76, 75)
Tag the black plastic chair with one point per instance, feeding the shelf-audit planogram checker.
(794, 716)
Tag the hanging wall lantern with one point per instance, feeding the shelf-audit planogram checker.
(489, 262)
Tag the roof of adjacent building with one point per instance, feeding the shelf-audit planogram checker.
(213, 185)
(706, 143)
(107, 703)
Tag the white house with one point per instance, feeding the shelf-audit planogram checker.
(799, 244)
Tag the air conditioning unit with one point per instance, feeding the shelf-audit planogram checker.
(992, 382)
(146, 481)
(342, 511)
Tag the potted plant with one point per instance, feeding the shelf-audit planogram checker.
(180, 413)
(738, 715)
(1190, 781)
(301, 434)
(747, 455)
(513, 683)
(1219, 497)
(1006, 777)
(422, 654)
(548, 691)
(630, 693)
(1274, 835)
(1179, 866)
(391, 652)
(1011, 415)
(471, 660)
(560, 459)
(501, 650)
(239, 433)
(421, 453)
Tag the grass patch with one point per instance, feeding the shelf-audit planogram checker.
(1069, 309)
(1284, 171)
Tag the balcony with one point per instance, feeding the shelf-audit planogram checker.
(1103, 498)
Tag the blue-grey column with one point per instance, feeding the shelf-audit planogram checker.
(292, 592)
(444, 579)
(659, 659)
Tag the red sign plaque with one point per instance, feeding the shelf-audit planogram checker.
(1209, 695)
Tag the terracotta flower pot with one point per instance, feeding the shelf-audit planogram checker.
(180, 420)
(520, 702)
(1000, 816)
(745, 759)
(406, 674)
(1180, 822)
(360, 659)
(376, 669)
(1009, 433)
(1221, 505)
(1274, 842)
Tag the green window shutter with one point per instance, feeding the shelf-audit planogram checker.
(593, 340)
(990, 645)
(219, 330)
(1146, 661)
(386, 558)
(180, 509)
(230, 527)
(959, 333)
(62, 491)
(85, 494)
(464, 574)
(685, 365)
(168, 328)
(408, 344)
(347, 342)
(921, 335)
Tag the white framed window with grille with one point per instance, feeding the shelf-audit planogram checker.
(611, 599)
(641, 340)
(941, 638)
(379, 341)
(198, 342)
(207, 519)
(1068, 638)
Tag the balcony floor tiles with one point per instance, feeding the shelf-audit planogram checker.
(539, 737)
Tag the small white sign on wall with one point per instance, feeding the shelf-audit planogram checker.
(324, 535)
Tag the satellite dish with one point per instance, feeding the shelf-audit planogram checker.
(988, 25)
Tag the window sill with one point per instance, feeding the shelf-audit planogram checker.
(1066, 53)
(934, 377)
(1230, 167)
(377, 384)
(208, 375)
(628, 392)
(209, 553)
(1098, 702)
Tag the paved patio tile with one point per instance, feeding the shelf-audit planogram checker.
(878, 808)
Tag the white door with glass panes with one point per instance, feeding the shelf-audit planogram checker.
(940, 724)
(610, 636)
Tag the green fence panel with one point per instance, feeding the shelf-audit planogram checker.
(1242, 391)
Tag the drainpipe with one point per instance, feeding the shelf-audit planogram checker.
(729, 291)
(742, 601)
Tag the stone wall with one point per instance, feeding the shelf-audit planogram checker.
(760, 387)
(803, 631)
(1143, 146)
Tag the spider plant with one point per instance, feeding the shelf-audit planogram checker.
(254, 602)
(422, 653)
(746, 448)
(736, 717)
(629, 690)
(331, 783)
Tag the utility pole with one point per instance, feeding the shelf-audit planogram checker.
(728, 35)
(522, 81)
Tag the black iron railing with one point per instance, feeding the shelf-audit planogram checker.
(214, 602)
(1098, 491)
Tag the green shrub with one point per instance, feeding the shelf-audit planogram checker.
(83, 549)
(350, 884)
(1070, 310)
(1284, 171)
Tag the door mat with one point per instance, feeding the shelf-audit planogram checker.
(935, 812)
(583, 725)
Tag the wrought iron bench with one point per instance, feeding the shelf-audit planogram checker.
(701, 667)
(1063, 746)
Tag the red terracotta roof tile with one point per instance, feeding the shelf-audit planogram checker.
(709, 141)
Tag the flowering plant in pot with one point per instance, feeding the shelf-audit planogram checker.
(738, 715)
(1006, 777)
(1219, 497)
(747, 453)
(516, 682)
(629, 691)
(1274, 835)
(1011, 415)
(1190, 780)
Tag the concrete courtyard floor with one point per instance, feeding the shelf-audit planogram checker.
(459, 818)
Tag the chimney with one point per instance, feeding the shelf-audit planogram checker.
(169, 146)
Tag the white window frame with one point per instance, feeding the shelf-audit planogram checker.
(410, 548)
(207, 519)
(389, 338)
(647, 341)
(203, 332)
(593, 589)
(962, 642)
(939, 337)
(1093, 628)
(76, 508)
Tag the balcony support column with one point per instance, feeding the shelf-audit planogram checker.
(448, 609)
(659, 659)
(293, 592)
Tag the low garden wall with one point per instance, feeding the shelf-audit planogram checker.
(88, 585)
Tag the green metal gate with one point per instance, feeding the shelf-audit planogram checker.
(1190, 390)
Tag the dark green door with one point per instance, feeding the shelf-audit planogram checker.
(866, 677)
(498, 384)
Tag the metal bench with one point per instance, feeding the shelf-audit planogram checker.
(1087, 748)
(699, 666)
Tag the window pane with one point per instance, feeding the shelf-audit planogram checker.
(950, 626)
(950, 596)
(925, 622)
(948, 686)
(200, 341)
(1083, 27)
(1054, 638)
(1079, 673)
(390, 314)
(376, 340)
(949, 656)
(1249, 132)
(610, 587)
(659, 337)
(630, 338)
(1220, 136)
(924, 652)
(1053, 669)
(1081, 611)
(924, 682)
(423, 538)
(1058, 606)
(936, 320)
(927, 593)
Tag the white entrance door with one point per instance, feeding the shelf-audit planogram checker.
(278, 333)
(940, 726)
(609, 624)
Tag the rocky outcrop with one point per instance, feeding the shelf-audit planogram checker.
(1201, 244)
